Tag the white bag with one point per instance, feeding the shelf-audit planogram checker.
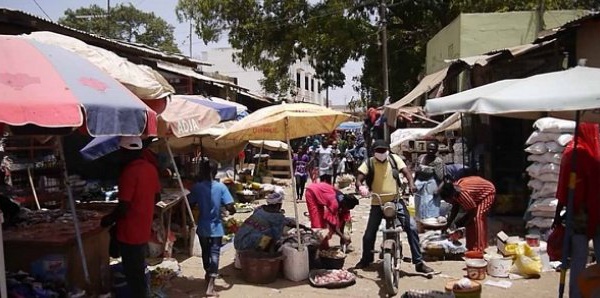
(547, 204)
(553, 146)
(549, 168)
(538, 136)
(536, 158)
(549, 189)
(552, 157)
(535, 184)
(537, 148)
(196, 249)
(564, 139)
(549, 124)
(534, 169)
(549, 177)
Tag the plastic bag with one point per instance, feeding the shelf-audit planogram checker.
(555, 243)
(527, 261)
(196, 249)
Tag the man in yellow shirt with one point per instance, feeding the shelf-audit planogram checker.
(382, 181)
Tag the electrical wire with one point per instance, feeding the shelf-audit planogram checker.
(40, 7)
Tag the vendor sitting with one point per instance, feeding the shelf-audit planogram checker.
(329, 208)
(264, 228)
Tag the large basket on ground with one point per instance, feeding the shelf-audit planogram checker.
(259, 267)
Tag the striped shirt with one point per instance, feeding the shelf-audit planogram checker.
(473, 191)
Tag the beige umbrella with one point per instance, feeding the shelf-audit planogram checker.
(284, 122)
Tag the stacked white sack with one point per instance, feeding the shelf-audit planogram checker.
(546, 145)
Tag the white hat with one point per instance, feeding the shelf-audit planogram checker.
(275, 198)
(131, 143)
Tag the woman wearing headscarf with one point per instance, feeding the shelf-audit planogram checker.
(429, 172)
(586, 203)
(475, 196)
(264, 228)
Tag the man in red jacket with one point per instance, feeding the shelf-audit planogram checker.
(139, 189)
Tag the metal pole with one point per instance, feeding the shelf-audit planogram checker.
(74, 213)
(294, 195)
(191, 32)
(566, 249)
(108, 19)
(3, 287)
(187, 203)
(384, 59)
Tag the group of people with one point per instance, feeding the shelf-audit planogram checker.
(329, 207)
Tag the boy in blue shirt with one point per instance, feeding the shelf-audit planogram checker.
(210, 196)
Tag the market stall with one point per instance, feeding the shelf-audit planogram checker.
(562, 94)
(285, 122)
(43, 98)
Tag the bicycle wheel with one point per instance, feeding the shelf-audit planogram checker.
(390, 274)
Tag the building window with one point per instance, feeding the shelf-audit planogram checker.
(312, 85)
(319, 87)
(306, 82)
(297, 80)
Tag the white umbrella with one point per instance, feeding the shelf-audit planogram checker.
(557, 94)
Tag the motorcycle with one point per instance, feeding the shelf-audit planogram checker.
(391, 246)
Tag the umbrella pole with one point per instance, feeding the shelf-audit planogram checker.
(187, 204)
(3, 288)
(74, 212)
(256, 168)
(287, 138)
(566, 251)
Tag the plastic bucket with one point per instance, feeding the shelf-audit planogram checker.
(499, 266)
(295, 263)
(476, 269)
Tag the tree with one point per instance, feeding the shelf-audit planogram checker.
(273, 34)
(125, 22)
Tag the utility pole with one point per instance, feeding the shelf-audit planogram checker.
(191, 32)
(540, 16)
(384, 59)
(108, 19)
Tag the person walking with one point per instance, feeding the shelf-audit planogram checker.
(300, 163)
(382, 175)
(586, 203)
(325, 159)
(210, 196)
(475, 196)
(139, 190)
(429, 172)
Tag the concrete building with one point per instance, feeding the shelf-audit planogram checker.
(306, 89)
(477, 33)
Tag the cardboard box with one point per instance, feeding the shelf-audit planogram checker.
(502, 240)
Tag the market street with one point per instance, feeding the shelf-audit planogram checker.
(368, 284)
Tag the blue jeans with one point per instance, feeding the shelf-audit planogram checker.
(579, 257)
(375, 217)
(211, 251)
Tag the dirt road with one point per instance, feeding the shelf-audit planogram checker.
(368, 284)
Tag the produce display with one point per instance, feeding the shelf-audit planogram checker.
(328, 277)
(53, 216)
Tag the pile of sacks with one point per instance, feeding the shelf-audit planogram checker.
(545, 145)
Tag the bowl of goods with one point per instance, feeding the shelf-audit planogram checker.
(336, 278)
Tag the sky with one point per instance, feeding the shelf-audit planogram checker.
(54, 9)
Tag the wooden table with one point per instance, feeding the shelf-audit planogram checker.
(24, 246)
(170, 199)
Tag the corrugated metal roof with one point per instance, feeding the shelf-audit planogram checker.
(6, 13)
